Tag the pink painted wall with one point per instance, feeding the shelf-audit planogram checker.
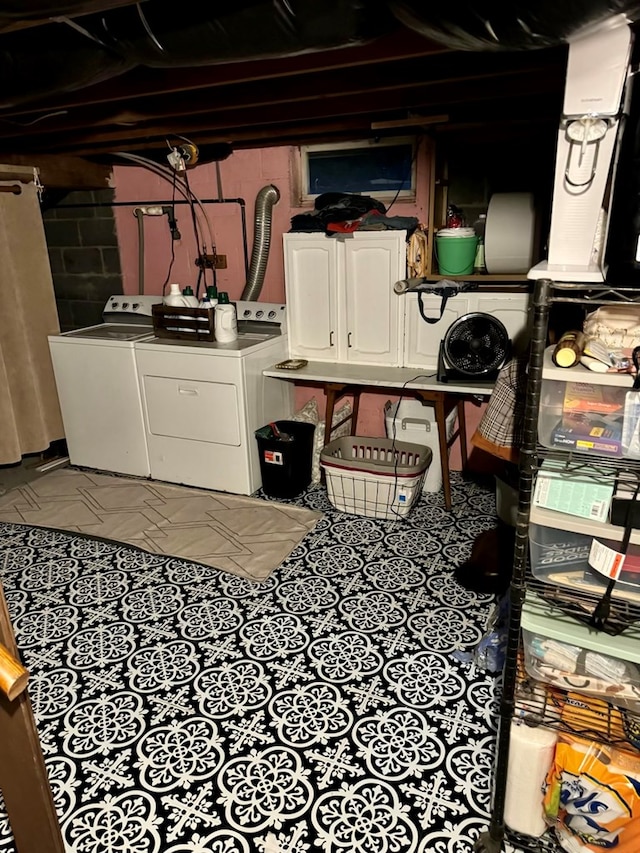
(242, 176)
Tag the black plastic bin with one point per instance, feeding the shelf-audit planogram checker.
(285, 463)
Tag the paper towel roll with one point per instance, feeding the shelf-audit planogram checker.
(531, 752)
(509, 233)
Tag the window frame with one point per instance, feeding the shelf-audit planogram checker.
(406, 195)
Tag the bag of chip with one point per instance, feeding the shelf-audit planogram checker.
(592, 796)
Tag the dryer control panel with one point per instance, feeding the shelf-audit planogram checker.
(261, 318)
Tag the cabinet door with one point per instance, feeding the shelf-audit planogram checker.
(422, 339)
(514, 312)
(311, 286)
(374, 315)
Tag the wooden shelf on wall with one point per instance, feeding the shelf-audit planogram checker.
(507, 283)
(440, 183)
(484, 278)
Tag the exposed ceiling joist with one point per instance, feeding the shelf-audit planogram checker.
(339, 79)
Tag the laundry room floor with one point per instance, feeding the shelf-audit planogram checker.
(337, 706)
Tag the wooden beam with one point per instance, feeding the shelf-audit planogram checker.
(15, 172)
(418, 95)
(61, 171)
(409, 121)
(149, 82)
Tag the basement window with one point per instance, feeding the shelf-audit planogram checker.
(384, 169)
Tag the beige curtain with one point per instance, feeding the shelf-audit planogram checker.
(29, 411)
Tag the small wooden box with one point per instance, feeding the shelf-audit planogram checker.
(187, 324)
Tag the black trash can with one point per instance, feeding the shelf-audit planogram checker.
(285, 454)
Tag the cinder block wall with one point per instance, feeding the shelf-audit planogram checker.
(84, 256)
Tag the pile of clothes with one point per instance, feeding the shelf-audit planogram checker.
(340, 213)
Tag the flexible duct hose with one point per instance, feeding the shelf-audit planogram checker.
(266, 198)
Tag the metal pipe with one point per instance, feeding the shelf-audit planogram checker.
(267, 197)
(139, 215)
(239, 201)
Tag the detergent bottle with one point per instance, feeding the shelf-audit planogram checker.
(174, 297)
(226, 320)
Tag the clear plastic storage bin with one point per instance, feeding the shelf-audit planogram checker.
(559, 548)
(581, 411)
(562, 652)
(413, 421)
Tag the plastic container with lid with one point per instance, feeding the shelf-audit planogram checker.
(191, 300)
(226, 320)
(561, 651)
(559, 548)
(210, 298)
(410, 420)
(175, 297)
(580, 410)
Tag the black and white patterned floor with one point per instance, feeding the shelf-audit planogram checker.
(183, 710)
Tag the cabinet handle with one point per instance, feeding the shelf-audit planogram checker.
(349, 339)
(331, 338)
(190, 392)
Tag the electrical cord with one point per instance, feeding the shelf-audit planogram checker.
(193, 196)
(170, 176)
(199, 247)
(173, 244)
(407, 176)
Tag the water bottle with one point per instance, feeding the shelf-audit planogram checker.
(480, 226)
(479, 265)
(226, 320)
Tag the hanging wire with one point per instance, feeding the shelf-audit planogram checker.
(173, 242)
(407, 176)
(169, 175)
(201, 248)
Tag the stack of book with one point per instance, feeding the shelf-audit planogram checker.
(592, 417)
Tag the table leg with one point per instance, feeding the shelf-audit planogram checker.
(441, 421)
(354, 411)
(334, 391)
(330, 391)
(462, 433)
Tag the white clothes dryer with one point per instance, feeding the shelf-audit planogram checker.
(203, 401)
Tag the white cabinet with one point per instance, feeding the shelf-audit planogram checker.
(341, 305)
(422, 339)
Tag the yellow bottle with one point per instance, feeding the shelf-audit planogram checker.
(569, 349)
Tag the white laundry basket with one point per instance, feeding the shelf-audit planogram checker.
(376, 477)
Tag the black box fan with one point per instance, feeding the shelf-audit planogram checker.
(475, 347)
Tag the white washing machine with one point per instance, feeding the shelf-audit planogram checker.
(98, 389)
(202, 402)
